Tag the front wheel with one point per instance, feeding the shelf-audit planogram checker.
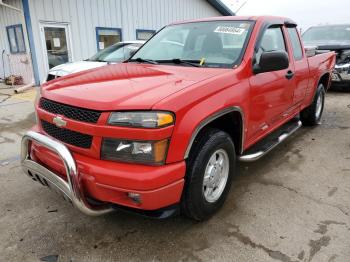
(312, 115)
(210, 169)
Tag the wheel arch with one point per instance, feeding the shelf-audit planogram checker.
(325, 80)
(230, 120)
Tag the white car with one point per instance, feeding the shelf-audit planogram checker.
(116, 53)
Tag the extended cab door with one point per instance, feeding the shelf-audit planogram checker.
(271, 92)
(301, 66)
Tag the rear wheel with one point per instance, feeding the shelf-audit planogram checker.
(312, 115)
(210, 169)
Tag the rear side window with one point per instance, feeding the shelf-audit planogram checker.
(296, 46)
(272, 40)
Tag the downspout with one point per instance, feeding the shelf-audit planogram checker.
(26, 34)
(3, 62)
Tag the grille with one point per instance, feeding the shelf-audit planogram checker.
(67, 136)
(76, 113)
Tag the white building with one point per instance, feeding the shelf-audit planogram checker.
(37, 34)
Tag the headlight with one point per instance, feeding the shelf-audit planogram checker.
(143, 119)
(144, 152)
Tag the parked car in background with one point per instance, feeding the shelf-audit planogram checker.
(332, 38)
(113, 54)
(162, 132)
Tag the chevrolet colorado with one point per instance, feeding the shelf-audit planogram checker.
(162, 132)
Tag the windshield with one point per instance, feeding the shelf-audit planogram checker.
(328, 33)
(209, 44)
(116, 53)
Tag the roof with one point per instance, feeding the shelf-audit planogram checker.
(133, 42)
(264, 19)
(221, 7)
(330, 25)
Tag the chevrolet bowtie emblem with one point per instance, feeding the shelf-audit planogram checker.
(59, 122)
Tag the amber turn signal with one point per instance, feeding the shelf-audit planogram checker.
(165, 119)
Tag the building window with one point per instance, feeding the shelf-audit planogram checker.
(142, 34)
(106, 36)
(16, 39)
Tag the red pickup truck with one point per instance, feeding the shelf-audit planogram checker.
(162, 132)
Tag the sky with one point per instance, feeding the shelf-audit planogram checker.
(305, 12)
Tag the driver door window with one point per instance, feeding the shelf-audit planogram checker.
(272, 40)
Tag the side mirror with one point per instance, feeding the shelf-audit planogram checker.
(272, 61)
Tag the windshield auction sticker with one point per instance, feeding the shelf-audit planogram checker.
(229, 30)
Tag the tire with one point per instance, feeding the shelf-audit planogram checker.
(210, 147)
(312, 115)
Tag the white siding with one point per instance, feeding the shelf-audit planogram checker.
(154, 14)
(8, 17)
(83, 16)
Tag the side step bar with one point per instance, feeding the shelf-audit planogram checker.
(271, 141)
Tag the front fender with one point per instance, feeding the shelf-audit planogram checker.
(191, 118)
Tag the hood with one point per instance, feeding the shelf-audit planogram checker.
(125, 86)
(328, 44)
(69, 68)
(341, 49)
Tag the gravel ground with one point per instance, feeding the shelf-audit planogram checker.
(292, 205)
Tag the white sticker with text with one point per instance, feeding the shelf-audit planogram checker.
(229, 30)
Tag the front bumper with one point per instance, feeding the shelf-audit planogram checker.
(81, 179)
(341, 73)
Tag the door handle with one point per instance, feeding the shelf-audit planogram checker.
(289, 74)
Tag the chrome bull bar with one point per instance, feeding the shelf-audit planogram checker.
(72, 189)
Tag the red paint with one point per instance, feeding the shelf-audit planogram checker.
(110, 181)
(192, 94)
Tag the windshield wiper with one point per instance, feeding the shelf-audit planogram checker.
(196, 63)
(99, 60)
(142, 60)
(95, 60)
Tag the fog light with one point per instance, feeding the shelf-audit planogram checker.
(135, 197)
